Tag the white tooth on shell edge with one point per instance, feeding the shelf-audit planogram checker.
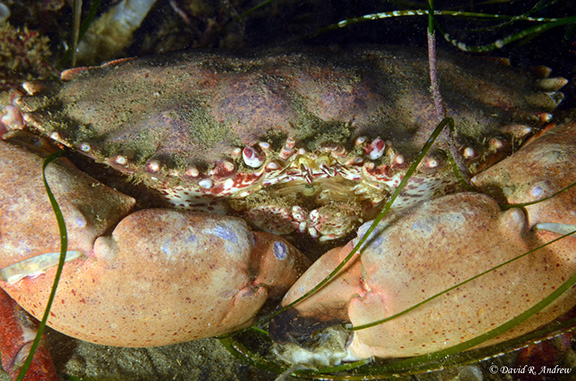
(398, 159)
(153, 166)
(192, 171)
(228, 165)
(496, 144)
(469, 153)
(120, 160)
(205, 183)
(431, 162)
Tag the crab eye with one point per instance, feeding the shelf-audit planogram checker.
(252, 157)
(376, 149)
(153, 166)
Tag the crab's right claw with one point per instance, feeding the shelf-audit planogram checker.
(438, 244)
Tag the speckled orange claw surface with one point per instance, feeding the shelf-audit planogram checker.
(176, 275)
(414, 255)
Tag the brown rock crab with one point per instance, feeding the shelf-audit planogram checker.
(299, 144)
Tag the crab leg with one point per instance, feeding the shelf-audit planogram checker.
(440, 243)
(17, 331)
